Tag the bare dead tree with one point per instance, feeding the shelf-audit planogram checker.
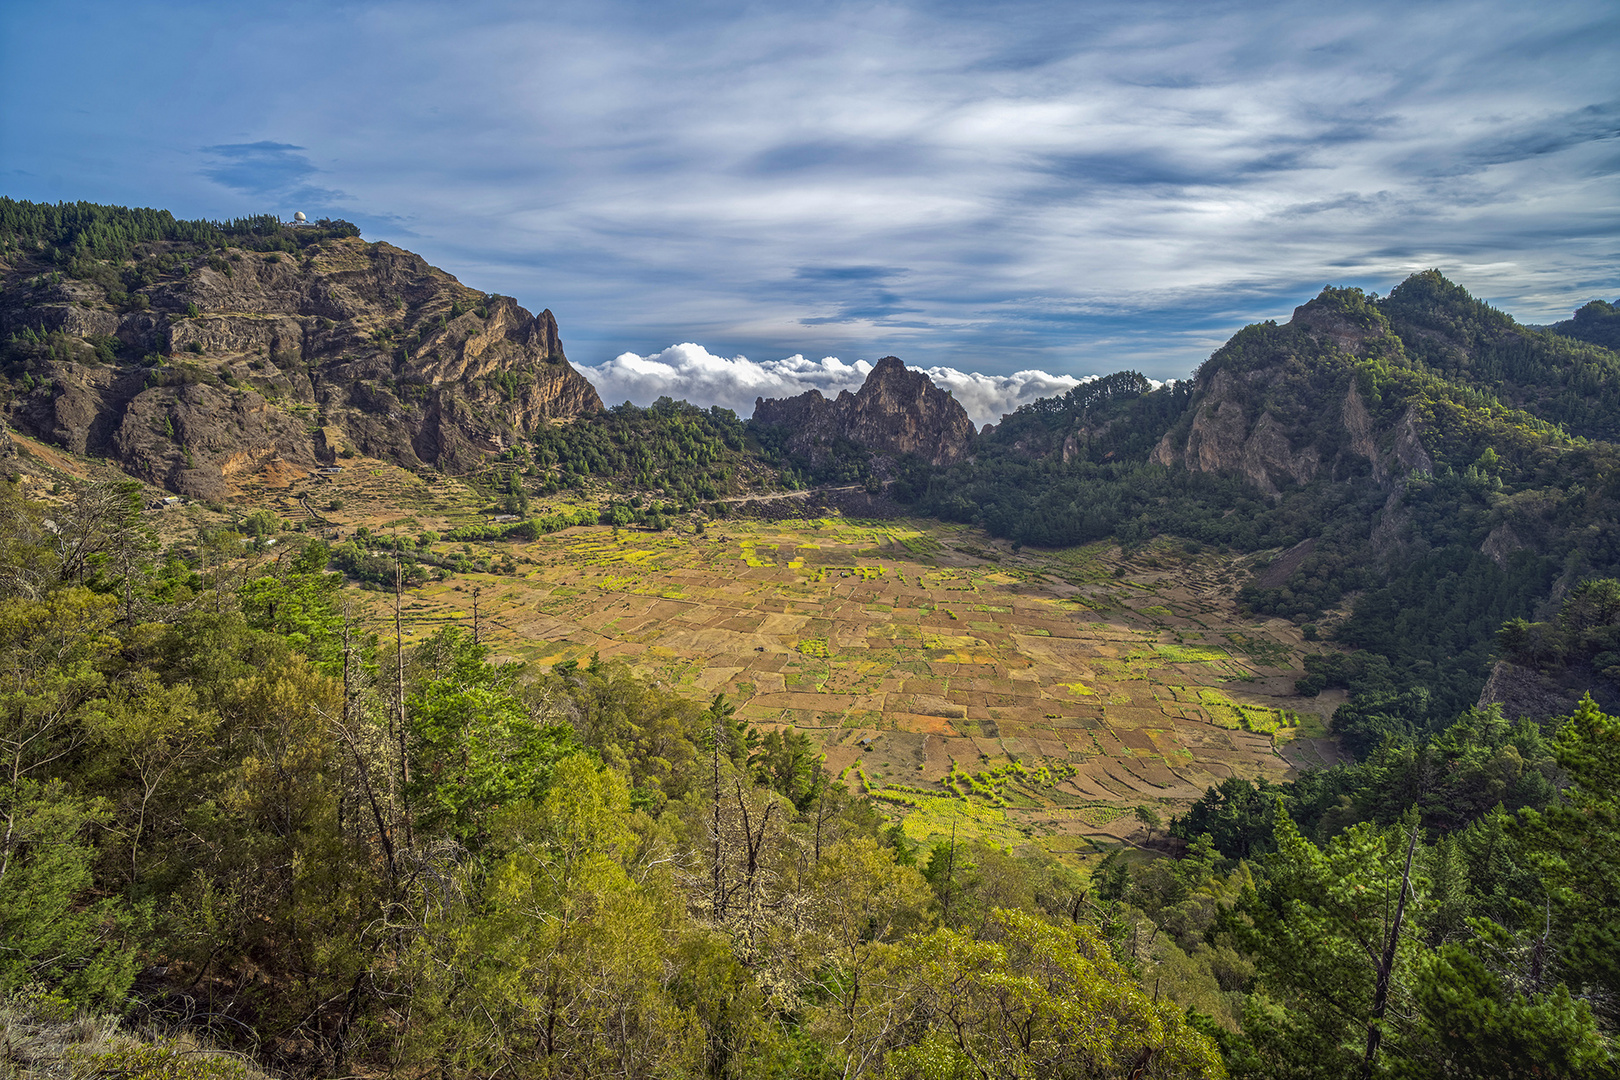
(1386, 962)
(399, 694)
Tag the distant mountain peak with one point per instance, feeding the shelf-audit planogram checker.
(897, 411)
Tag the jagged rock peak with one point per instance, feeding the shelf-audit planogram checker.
(896, 411)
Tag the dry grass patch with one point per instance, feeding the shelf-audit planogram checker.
(44, 1039)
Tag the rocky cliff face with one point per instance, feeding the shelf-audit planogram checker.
(1522, 692)
(895, 412)
(195, 367)
(1285, 408)
(1229, 435)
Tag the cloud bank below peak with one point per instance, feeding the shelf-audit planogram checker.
(693, 373)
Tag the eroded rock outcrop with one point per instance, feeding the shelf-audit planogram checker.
(895, 412)
(1284, 407)
(1231, 433)
(1523, 692)
(232, 358)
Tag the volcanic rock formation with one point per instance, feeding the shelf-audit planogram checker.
(895, 412)
(202, 365)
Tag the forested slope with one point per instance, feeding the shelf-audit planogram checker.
(224, 805)
(226, 808)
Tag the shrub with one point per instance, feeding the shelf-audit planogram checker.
(163, 1061)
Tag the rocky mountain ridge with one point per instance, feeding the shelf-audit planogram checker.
(1236, 427)
(193, 366)
(896, 412)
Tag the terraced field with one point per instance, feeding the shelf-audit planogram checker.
(1023, 696)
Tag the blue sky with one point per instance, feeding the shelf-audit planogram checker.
(1051, 188)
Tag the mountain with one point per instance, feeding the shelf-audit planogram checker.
(896, 412)
(195, 356)
(1597, 322)
(1423, 468)
(1276, 412)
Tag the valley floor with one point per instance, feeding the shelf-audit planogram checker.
(1019, 695)
(1024, 696)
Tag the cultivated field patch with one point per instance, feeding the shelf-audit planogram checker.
(1022, 696)
(1027, 697)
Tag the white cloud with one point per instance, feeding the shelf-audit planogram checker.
(693, 373)
(988, 397)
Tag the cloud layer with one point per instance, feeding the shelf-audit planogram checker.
(694, 373)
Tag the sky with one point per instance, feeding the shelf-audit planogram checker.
(725, 200)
